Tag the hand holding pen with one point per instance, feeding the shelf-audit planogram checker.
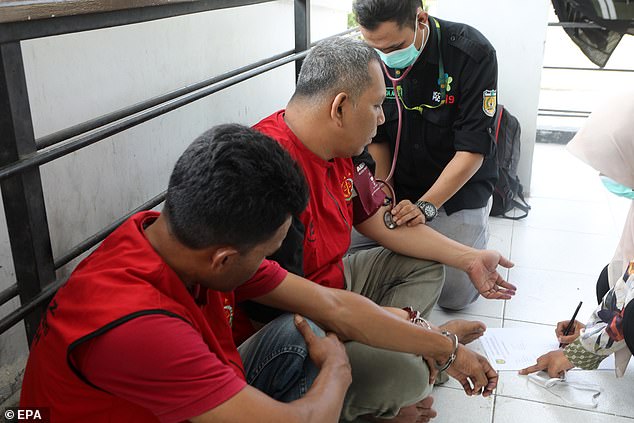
(555, 362)
(568, 330)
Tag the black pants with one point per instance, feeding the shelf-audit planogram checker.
(628, 317)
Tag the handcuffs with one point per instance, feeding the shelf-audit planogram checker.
(416, 318)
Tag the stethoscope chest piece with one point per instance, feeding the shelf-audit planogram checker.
(388, 219)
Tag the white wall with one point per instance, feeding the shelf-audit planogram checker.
(328, 17)
(72, 78)
(517, 30)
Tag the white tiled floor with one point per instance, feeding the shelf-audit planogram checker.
(558, 251)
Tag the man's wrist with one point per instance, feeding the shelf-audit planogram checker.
(340, 368)
(443, 365)
(464, 258)
(444, 348)
(428, 210)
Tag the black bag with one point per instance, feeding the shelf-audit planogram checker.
(508, 186)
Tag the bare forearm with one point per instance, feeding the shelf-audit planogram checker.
(354, 317)
(359, 319)
(457, 172)
(419, 241)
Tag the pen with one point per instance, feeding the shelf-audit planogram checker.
(571, 322)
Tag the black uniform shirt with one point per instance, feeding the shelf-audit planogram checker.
(430, 139)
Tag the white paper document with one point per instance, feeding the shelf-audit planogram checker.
(519, 347)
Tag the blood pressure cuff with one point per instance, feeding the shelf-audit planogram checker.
(368, 197)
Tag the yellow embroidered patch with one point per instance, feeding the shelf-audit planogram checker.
(489, 102)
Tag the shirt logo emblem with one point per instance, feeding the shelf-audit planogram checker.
(347, 187)
(489, 102)
(445, 82)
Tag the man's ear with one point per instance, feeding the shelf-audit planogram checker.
(221, 258)
(422, 17)
(337, 108)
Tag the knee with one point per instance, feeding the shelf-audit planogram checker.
(282, 367)
(454, 304)
(458, 292)
(383, 381)
(284, 330)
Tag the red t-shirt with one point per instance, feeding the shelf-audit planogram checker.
(328, 218)
(175, 362)
(180, 378)
(168, 371)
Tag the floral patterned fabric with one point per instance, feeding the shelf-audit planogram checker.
(603, 334)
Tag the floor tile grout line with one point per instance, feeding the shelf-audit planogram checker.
(488, 316)
(569, 231)
(530, 321)
(495, 399)
(508, 273)
(554, 270)
(496, 395)
(565, 406)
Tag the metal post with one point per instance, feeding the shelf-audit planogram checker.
(22, 193)
(302, 30)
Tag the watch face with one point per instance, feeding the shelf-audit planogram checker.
(429, 210)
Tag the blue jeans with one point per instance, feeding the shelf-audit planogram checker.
(276, 360)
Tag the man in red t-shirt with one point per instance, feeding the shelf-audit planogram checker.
(141, 332)
(332, 116)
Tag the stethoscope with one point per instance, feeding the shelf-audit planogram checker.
(442, 83)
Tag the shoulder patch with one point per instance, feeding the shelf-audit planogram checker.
(473, 49)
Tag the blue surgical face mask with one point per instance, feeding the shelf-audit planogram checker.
(400, 59)
(616, 188)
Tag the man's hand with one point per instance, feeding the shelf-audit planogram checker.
(407, 213)
(481, 266)
(554, 362)
(474, 372)
(433, 371)
(323, 351)
(570, 338)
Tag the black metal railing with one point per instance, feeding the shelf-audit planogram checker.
(21, 154)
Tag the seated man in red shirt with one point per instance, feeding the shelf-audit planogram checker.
(141, 332)
(332, 116)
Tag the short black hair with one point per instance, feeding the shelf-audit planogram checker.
(233, 186)
(371, 13)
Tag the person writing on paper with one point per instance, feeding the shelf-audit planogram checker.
(606, 143)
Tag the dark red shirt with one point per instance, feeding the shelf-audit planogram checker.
(328, 219)
(97, 324)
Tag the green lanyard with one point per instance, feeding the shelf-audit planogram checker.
(443, 80)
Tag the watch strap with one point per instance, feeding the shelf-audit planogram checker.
(422, 205)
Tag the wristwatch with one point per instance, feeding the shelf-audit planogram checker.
(428, 210)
